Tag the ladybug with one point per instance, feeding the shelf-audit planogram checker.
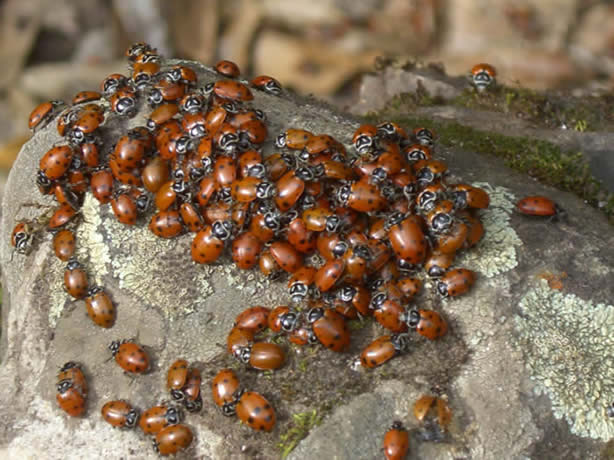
(100, 308)
(87, 123)
(224, 389)
(362, 196)
(266, 84)
(300, 283)
(120, 414)
(384, 349)
(456, 282)
(302, 239)
(453, 240)
(112, 83)
(125, 208)
(228, 69)
(123, 102)
(358, 296)
(539, 206)
(166, 91)
(229, 89)
(437, 263)
(392, 130)
(64, 244)
(328, 274)
(467, 196)
(70, 398)
(262, 355)
(173, 439)
(246, 249)
(166, 195)
(154, 174)
(475, 232)
(416, 152)
(483, 75)
(177, 375)
(364, 139)
(255, 411)
(182, 73)
(166, 224)
(190, 217)
(407, 238)
(65, 120)
(441, 218)
(161, 115)
(101, 184)
(131, 149)
(295, 139)
(427, 323)
(208, 244)
(289, 190)
(75, 279)
(56, 161)
(239, 338)
(254, 319)
(143, 73)
(388, 312)
(90, 154)
(156, 418)
(396, 442)
(253, 132)
(330, 328)
(194, 125)
(424, 136)
(191, 390)
(72, 371)
(22, 237)
(61, 216)
(86, 96)
(286, 256)
(43, 114)
(282, 318)
(130, 356)
(409, 287)
(137, 49)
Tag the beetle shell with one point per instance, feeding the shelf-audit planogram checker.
(332, 331)
(156, 418)
(100, 308)
(253, 319)
(538, 206)
(255, 411)
(120, 414)
(70, 399)
(177, 375)
(131, 357)
(396, 442)
(224, 387)
(173, 439)
(428, 323)
(266, 356)
(456, 282)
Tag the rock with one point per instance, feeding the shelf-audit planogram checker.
(517, 365)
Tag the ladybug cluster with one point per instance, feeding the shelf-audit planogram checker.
(357, 230)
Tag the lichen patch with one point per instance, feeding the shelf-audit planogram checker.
(569, 348)
(496, 253)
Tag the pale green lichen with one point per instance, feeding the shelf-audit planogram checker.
(136, 272)
(54, 278)
(496, 253)
(569, 348)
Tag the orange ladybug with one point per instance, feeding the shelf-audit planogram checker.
(396, 442)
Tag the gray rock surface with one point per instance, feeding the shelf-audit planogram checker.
(527, 370)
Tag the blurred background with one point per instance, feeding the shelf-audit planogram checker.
(51, 49)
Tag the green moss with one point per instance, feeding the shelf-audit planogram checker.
(547, 162)
(544, 109)
(302, 423)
